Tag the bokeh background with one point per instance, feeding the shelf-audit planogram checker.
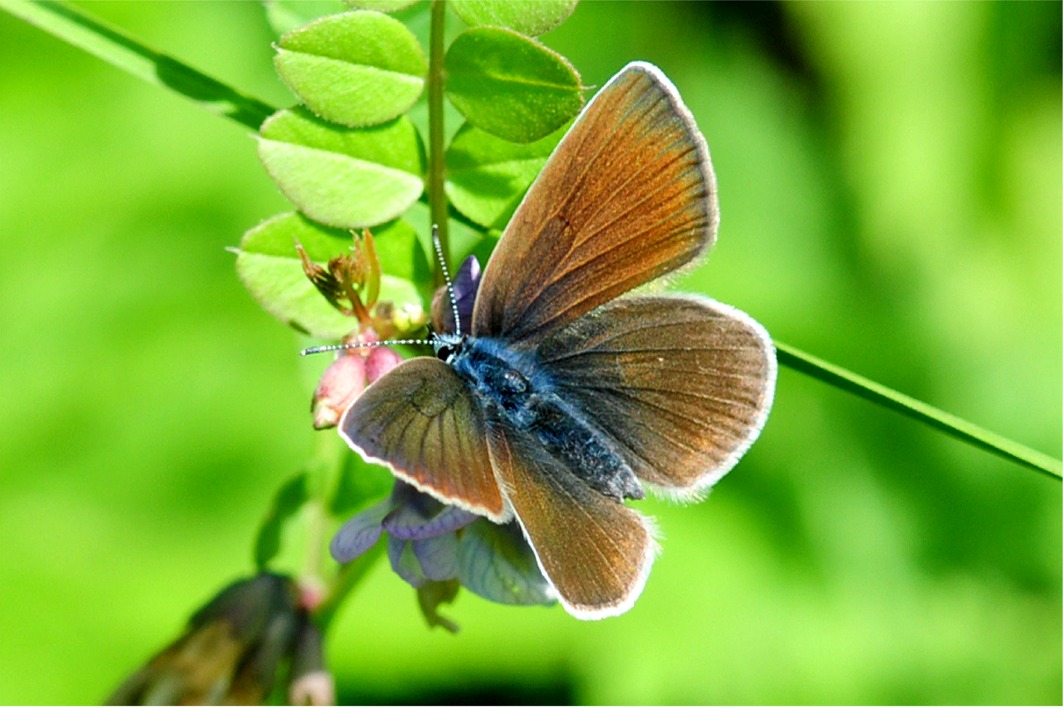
(890, 186)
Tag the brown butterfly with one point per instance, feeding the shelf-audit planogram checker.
(567, 395)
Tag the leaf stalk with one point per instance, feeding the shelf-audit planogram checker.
(437, 198)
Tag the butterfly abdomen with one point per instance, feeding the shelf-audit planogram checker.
(518, 394)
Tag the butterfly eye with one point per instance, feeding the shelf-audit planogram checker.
(445, 352)
(446, 346)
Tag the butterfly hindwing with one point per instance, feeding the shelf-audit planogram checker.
(681, 384)
(595, 551)
(420, 419)
(627, 196)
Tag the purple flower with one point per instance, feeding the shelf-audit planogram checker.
(434, 546)
(432, 542)
(466, 283)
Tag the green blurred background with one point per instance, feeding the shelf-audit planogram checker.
(890, 187)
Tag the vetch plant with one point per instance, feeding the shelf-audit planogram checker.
(368, 175)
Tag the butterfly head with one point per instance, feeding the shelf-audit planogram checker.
(447, 345)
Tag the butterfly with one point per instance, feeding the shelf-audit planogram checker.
(569, 393)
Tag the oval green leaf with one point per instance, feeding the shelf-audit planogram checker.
(270, 268)
(344, 177)
(488, 176)
(531, 17)
(357, 68)
(511, 86)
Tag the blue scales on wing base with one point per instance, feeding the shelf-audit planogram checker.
(518, 393)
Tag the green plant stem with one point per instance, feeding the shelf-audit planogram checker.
(114, 46)
(329, 456)
(346, 580)
(927, 414)
(437, 198)
(326, 464)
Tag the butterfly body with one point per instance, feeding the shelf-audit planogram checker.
(518, 393)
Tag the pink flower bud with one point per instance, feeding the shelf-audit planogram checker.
(312, 592)
(343, 381)
(381, 360)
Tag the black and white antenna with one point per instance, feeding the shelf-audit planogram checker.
(403, 342)
(362, 345)
(446, 278)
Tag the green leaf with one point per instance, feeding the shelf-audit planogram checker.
(380, 5)
(465, 240)
(270, 268)
(511, 86)
(285, 15)
(400, 252)
(290, 498)
(531, 17)
(358, 68)
(488, 176)
(345, 177)
(927, 414)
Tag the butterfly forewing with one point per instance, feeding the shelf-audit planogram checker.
(421, 420)
(681, 385)
(628, 195)
(595, 551)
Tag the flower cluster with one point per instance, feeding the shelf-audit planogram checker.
(346, 377)
(430, 544)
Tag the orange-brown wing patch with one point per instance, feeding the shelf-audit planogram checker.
(682, 385)
(595, 551)
(628, 195)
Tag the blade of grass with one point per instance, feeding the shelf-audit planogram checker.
(112, 45)
(128, 54)
(927, 414)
